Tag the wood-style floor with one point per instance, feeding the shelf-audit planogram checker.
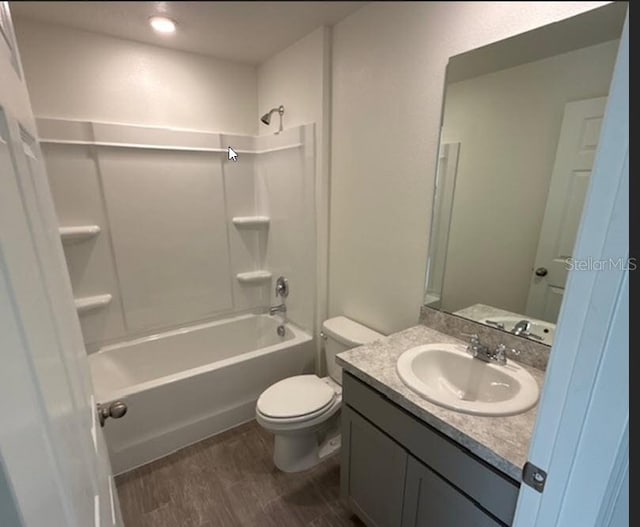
(229, 480)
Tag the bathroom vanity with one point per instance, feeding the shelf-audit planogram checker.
(408, 462)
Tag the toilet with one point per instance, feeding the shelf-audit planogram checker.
(303, 411)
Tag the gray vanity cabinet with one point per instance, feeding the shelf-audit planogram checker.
(375, 490)
(429, 500)
(397, 471)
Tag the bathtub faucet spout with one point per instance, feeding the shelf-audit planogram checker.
(278, 309)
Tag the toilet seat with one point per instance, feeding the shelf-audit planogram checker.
(295, 399)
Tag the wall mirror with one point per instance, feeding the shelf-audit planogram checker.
(520, 127)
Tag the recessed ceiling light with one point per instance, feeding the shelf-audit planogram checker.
(162, 24)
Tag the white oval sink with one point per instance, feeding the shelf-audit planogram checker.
(445, 374)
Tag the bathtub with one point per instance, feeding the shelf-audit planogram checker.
(185, 385)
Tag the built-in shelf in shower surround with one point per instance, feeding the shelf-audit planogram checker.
(78, 233)
(253, 277)
(251, 222)
(89, 303)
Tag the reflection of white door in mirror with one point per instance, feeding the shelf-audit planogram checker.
(569, 182)
(442, 204)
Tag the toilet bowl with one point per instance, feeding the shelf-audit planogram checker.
(303, 411)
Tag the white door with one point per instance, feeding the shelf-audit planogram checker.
(581, 436)
(54, 469)
(569, 182)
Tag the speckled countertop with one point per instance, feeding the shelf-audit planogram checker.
(503, 442)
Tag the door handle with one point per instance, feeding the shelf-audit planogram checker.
(116, 409)
(541, 271)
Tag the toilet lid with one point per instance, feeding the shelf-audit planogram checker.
(295, 397)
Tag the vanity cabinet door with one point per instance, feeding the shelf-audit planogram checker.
(430, 501)
(373, 471)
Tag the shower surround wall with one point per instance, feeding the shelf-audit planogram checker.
(168, 251)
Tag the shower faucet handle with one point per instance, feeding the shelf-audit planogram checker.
(282, 287)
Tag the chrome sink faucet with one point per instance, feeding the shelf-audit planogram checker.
(523, 329)
(485, 353)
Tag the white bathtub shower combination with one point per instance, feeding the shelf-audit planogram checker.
(184, 385)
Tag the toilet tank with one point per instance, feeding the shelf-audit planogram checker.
(342, 333)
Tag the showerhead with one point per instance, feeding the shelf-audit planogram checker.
(266, 118)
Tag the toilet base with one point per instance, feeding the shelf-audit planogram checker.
(330, 446)
(302, 451)
(295, 453)
(299, 453)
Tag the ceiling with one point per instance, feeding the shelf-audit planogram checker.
(241, 31)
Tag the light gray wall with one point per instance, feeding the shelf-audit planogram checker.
(389, 61)
(293, 77)
(74, 74)
(508, 124)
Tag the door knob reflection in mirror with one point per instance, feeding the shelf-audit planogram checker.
(541, 271)
(115, 410)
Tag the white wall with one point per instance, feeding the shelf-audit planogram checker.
(299, 78)
(78, 75)
(389, 61)
(508, 124)
(294, 77)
